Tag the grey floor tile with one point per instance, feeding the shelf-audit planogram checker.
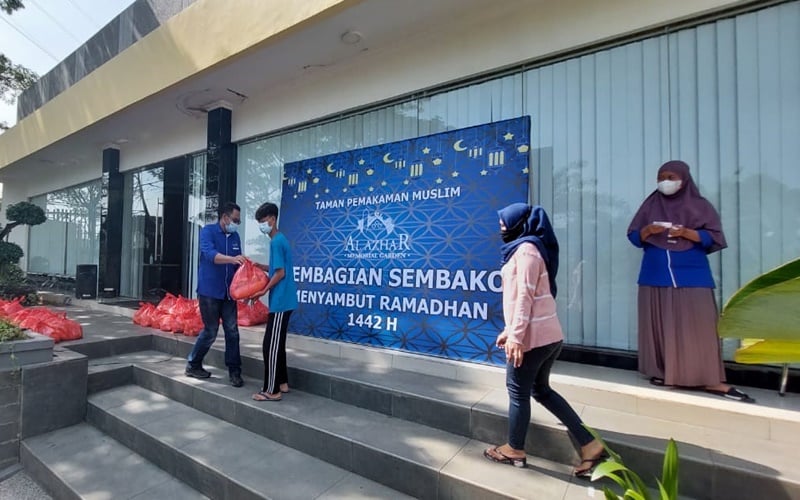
(172, 489)
(291, 475)
(353, 487)
(470, 475)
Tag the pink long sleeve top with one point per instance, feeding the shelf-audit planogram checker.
(529, 308)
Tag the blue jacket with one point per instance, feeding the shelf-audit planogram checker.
(668, 268)
(214, 280)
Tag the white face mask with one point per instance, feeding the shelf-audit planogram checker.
(668, 188)
(265, 227)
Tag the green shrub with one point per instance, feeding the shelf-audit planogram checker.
(9, 331)
(10, 253)
(633, 487)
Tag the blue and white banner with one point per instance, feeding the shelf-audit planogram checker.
(398, 245)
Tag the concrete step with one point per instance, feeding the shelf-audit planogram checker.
(415, 459)
(723, 456)
(729, 449)
(220, 459)
(80, 462)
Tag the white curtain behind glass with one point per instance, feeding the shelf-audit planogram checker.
(722, 96)
(196, 220)
(132, 244)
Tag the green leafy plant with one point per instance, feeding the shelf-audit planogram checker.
(764, 315)
(633, 487)
(766, 307)
(9, 331)
(22, 213)
(10, 253)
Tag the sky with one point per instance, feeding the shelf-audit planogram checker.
(52, 29)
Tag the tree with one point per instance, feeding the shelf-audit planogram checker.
(14, 78)
(21, 213)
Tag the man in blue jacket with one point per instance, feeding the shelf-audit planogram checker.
(220, 255)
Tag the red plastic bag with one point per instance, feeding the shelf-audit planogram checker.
(9, 308)
(192, 324)
(167, 303)
(72, 329)
(249, 282)
(252, 314)
(144, 315)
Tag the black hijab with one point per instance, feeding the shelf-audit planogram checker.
(530, 223)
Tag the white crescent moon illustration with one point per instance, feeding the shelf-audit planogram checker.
(329, 168)
(386, 158)
(457, 145)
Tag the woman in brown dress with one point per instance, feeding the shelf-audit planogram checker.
(677, 228)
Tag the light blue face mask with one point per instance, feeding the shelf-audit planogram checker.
(232, 228)
(265, 227)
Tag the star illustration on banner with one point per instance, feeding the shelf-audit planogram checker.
(344, 189)
(508, 136)
(315, 180)
(437, 161)
(405, 182)
(525, 170)
(426, 150)
(484, 172)
(309, 171)
(316, 195)
(371, 189)
(361, 161)
(455, 174)
(327, 190)
(370, 171)
(384, 183)
(439, 180)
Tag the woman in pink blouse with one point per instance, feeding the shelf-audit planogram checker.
(532, 338)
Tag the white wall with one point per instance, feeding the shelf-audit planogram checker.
(186, 136)
(500, 35)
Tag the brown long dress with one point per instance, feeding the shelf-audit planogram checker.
(678, 339)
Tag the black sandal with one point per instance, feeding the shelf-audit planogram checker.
(593, 463)
(516, 462)
(733, 393)
(657, 381)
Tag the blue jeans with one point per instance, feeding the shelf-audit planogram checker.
(532, 378)
(212, 310)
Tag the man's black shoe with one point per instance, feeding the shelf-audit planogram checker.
(197, 372)
(236, 381)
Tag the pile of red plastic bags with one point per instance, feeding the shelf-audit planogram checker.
(40, 320)
(172, 314)
(182, 315)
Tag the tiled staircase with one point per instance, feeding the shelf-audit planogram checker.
(361, 423)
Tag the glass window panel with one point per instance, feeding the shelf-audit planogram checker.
(71, 234)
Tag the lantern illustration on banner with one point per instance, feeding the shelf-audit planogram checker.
(475, 151)
(416, 169)
(496, 157)
(352, 178)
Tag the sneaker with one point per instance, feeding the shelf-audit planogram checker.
(197, 372)
(236, 380)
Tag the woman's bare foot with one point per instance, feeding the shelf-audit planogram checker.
(508, 451)
(284, 388)
(592, 454)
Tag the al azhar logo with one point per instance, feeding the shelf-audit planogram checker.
(377, 237)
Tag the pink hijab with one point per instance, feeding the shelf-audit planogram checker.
(686, 207)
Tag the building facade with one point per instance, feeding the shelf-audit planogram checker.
(129, 160)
